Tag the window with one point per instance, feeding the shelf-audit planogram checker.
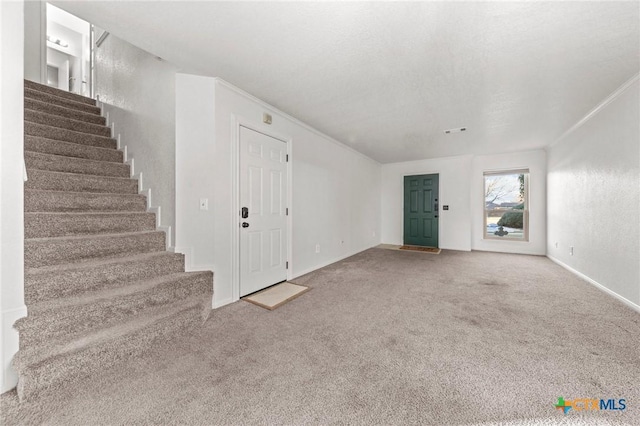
(506, 205)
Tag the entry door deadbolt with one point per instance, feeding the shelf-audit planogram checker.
(245, 212)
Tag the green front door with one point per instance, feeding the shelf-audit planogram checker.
(421, 210)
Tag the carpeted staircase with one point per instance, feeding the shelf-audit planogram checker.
(99, 285)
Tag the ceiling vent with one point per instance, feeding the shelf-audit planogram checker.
(459, 129)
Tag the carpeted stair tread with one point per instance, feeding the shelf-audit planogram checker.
(71, 149)
(59, 224)
(57, 133)
(60, 163)
(75, 182)
(67, 317)
(60, 250)
(52, 282)
(38, 354)
(43, 368)
(58, 101)
(67, 201)
(58, 92)
(62, 111)
(56, 121)
(100, 286)
(109, 294)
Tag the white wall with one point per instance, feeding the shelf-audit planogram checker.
(11, 185)
(35, 54)
(454, 177)
(73, 38)
(195, 172)
(535, 161)
(60, 61)
(66, 20)
(594, 195)
(336, 191)
(75, 32)
(138, 92)
(461, 188)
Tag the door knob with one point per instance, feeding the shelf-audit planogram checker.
(245, 225)
(245, 212)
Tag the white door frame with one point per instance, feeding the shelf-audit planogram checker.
(236, 123)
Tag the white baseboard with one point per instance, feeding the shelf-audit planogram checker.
(186, 251)
(197, 268)
(220, 303)
(167, 233)
(10, 346)
(189, 265)
(455, 248)
(327, 263)
(138, 176)
(596, 284)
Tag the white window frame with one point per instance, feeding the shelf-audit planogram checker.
(525, 212)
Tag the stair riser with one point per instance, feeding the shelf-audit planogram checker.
(54, 181)
(40, 286)
(49, 132)
(41, 225)
(56, 163)
(60, 111)
(66, 123)
(72, 320)
(45, 377)
(66, 103)
(70, 149)
(58, 92)
(39, 253)
(100, 287)
(42, 201)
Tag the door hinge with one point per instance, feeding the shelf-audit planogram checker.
(287, 158)
(287, 211)
(287, 265)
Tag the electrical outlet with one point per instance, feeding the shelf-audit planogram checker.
(317, 248)
(204, 204)
(571, 250)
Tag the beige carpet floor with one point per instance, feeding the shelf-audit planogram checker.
(385, 337)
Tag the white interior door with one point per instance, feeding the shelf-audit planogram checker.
(263, 195)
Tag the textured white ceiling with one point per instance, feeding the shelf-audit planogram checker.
(388, 78)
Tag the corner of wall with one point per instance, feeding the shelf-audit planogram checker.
(12, 307)
(601, 147)
(596, 284)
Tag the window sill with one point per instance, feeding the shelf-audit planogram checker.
(505, 240)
